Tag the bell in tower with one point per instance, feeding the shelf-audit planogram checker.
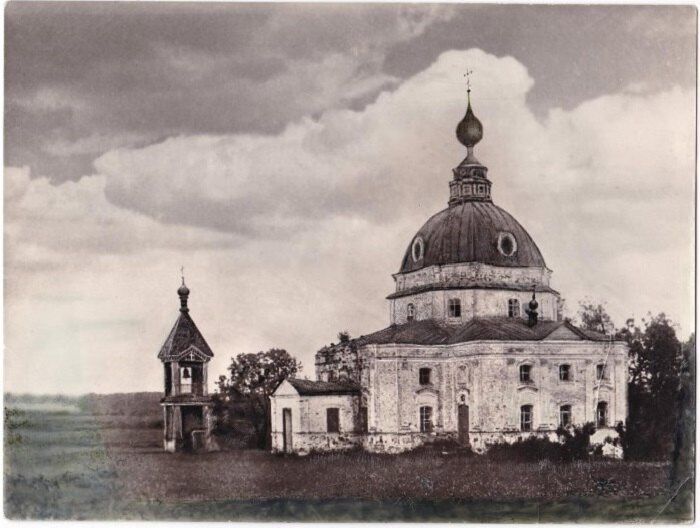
(187, 406)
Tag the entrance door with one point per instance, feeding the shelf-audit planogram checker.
(463, 424)
(192, 420)
(287, 430)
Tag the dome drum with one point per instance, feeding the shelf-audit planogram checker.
(475, 189)
(473, 274)
(477, 302)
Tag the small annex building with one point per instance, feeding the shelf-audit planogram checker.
(311, 409)
(476, 349)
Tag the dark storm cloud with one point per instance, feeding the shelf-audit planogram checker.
(84, 78)
(130, 73)
(574, 52)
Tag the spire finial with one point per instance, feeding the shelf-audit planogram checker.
(469, 85)
(183, 292)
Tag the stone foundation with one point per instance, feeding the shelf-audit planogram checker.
(393, 443)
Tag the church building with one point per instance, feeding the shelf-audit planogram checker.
(476, 350)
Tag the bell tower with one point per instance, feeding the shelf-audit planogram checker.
(187, 407)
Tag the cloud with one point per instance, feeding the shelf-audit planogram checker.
(158, 71)
(291, 237)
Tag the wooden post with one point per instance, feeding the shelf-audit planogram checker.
(204, 378)
(175, 370)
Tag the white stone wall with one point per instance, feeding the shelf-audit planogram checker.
(309, 425)
(486, 375)
(474, 303)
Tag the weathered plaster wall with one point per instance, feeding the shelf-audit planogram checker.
(339, 362)
(474, 303)
(309, 424)
(485, 376)
(470, 273)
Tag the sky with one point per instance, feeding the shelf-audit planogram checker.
(286, 154)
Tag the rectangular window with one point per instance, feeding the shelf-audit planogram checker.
(601, 372)
(513, 308)
(454, 308)
(525, 371)
(364, 420)
(602, 414)
(424, 376)
(565, 415)
(564, 373)
(333, 420)
(410, 312)
(526, 418)
(426, 419)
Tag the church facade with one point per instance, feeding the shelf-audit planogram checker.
(476, 350)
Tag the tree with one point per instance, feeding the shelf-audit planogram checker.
(252, 380)
(594, 317)
(654, 395)
(655, 422)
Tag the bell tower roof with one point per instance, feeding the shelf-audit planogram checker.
(185, 338)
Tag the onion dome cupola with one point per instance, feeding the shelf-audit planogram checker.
(470, 182)
(183, 292)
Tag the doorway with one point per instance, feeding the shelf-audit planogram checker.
(192, 421)
(287, 430)
(463, 424)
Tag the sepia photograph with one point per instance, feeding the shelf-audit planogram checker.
(349, 262)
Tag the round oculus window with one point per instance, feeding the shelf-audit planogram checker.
(417, 249)
(507, 245)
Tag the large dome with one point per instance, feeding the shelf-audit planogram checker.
(473, 231)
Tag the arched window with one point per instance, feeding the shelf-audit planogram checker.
(513, 308)
(410, 312)
(601, 372)
(426, 419)
(565, 372)
(525, 373)
(454, 308)
(602, 414)
(526, 418)
(565, 415)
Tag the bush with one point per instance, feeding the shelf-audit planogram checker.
(576, 442)
(529, 450)
(442, 445)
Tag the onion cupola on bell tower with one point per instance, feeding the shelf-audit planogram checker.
(187, 406)
(472, 259)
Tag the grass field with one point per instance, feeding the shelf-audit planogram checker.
(66, 463)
